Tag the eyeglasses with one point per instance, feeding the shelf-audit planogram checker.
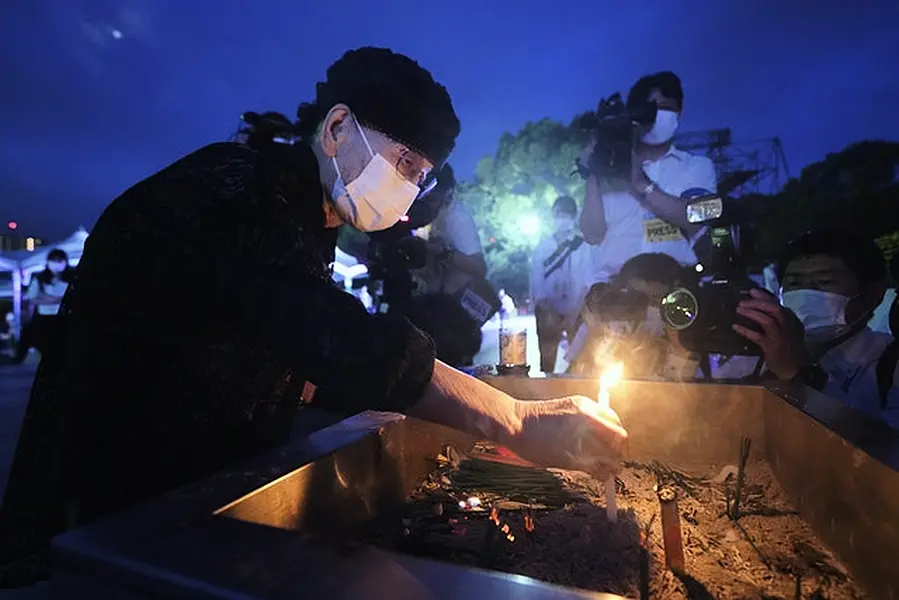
(411, 165)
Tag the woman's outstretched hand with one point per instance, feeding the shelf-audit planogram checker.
(571, 433)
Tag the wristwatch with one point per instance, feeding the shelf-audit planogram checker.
(649, 189)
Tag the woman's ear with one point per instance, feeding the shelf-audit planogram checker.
(335, 130)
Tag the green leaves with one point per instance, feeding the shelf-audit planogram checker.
(512, 194)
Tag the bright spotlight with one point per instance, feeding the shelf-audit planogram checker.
(529, 224)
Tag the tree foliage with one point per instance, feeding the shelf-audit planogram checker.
(856, 188)
(513, 191)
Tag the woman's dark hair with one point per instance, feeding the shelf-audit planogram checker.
(390, 93)
(46, 276)
(651, 266)
(565, 204)
(858, 252)
(668, 84)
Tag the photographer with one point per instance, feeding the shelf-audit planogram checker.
(831, 282)
(141, 396)
(642, 208)
(455, 255)
(559, 271)
(622, 321)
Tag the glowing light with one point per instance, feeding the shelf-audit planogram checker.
(611, 376)
(698, 268)
(404, 218)
(116, 34)
(474, 502)
(12, 225)
(29, 244)
(529, 224)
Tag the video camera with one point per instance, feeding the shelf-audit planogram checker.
(262, 130)
(702, 307)
(613, 126)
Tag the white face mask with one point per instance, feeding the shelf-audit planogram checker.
(563, 224)
(56, 267)
(818, 311)
(653, 325)
(377, 198)
(663, 129)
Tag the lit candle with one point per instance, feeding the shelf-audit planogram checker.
(609, 378)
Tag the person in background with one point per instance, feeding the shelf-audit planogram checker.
(507, 305)
(455, 255)
(142, 396)
(559, 276)
(831, 282)
(639, 339)
(45, 292)
(645, 212)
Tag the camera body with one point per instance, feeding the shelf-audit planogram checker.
(702, 306)
(607, 303)
(613, 126)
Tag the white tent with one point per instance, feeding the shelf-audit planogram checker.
(72, 245)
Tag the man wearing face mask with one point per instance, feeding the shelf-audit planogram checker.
(559, 270)
(145, 394)
(831, 282)
(624, 217)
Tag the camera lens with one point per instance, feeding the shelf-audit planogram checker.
(679, 309)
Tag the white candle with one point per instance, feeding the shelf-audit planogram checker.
(609, 378)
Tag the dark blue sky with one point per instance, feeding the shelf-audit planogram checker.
(97, 94)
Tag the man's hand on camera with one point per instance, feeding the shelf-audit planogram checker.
(782, 338)
(584, 158)
(571, 433)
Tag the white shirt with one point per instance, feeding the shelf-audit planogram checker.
(455, 227)
(851, 368)
(633, 229)
(560, 278)
(57, 288)
(880, 321)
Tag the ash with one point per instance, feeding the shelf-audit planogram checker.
(551, 525)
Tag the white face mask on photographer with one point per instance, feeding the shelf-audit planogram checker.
(56, 266)
(663, 129)
(823, 314)
(376, 199)
(563, 224)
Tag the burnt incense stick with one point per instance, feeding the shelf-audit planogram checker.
(671, 531)
(745, 444)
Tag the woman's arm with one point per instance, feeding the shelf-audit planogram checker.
(457, 400)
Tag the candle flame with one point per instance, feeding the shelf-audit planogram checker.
(611, 376)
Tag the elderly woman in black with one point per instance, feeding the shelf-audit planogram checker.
(144, 395)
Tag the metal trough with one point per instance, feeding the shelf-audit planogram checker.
(249, 532)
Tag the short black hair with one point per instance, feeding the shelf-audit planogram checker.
(666, 82)
(388, 92)
(655, 267)
(446, 179)
(57, 254)
(565, 204)
(859, 252)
